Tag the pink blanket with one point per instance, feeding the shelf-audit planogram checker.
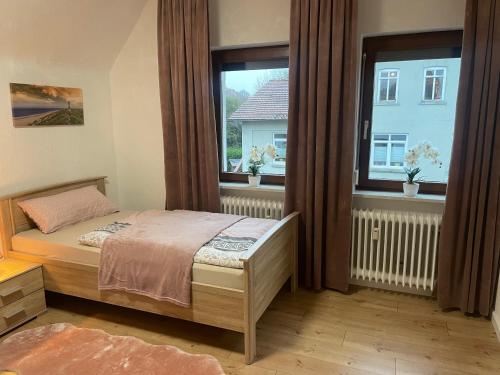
(154, 256)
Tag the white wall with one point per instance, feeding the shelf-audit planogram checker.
(33, 157)
(243, 22)
(77, 34)
(137, 117)
(397, 16)
(40, 44)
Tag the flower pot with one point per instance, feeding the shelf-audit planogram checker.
(410, 190)
(254, 180)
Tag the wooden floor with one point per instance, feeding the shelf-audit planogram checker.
(366, 332)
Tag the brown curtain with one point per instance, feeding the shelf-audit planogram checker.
(470, 238)
(319, 161)
(189, 133)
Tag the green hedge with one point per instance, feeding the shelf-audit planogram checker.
(234, 153)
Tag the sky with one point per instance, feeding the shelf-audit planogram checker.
(247, 79)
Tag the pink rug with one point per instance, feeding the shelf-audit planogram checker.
(62, 349)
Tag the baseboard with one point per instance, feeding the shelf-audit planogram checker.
(495, 320)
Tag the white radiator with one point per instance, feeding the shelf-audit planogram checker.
(395, 250)
(253, 207)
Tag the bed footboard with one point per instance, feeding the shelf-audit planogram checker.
(271, 262)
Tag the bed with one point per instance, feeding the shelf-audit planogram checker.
(228, 298)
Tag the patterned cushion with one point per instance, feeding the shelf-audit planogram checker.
(96, 237)
(224, 251)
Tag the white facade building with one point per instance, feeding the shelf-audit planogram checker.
(413, 101)
(264, 121)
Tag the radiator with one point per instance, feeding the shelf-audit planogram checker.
(253, 207)
(395, 250)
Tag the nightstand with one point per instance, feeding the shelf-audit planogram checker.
(22, 296)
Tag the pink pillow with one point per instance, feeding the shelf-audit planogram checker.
(56, 211)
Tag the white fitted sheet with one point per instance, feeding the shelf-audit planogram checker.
(63, 245)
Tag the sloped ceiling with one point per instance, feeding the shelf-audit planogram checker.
(80, 33)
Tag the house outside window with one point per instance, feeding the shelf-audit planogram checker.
(434, 84)
(389, 150)
(251, 102)
(388, 82)
(263, 120)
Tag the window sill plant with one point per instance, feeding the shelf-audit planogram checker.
(412, 157)
(257, 160)
(410, 187)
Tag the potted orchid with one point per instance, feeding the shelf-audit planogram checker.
(412, 157)
(257, 160)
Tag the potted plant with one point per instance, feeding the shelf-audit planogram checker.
(412, 157)
(257, 160)
(254, 176)
(411, 186)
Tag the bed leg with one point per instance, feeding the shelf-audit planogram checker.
(250, 344)
(249, 314)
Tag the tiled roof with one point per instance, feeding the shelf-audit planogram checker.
(269, 103)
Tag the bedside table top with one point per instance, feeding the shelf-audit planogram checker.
(10, 268)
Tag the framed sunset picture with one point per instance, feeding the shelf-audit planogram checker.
(35, 106)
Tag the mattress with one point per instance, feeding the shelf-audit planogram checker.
(63, 245)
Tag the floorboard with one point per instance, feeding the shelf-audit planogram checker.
(365, 332)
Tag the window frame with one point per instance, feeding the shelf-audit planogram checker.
(434, 76)
(380, 78)
(392, 44)
(220, 58)
(280, 164)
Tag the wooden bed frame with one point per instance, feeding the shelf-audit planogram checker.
(270, 263)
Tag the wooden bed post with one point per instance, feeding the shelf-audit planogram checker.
(5, 228)
(250, 323)
(294, 278)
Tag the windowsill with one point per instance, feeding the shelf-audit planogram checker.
(375, 168)
(422, 198)
(433, 102)
(387, 103)
(244, 186)
(370, 194)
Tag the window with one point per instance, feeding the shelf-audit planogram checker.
(388, 150)
(434, 83)
(388, 85)
(392, 72)
(251, 103)
(279, 143)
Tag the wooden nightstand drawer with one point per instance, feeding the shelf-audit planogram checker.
(20, 286)
(22, 310)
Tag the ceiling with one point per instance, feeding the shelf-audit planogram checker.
(79, 33)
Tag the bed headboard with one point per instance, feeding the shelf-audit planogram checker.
(12, 218)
